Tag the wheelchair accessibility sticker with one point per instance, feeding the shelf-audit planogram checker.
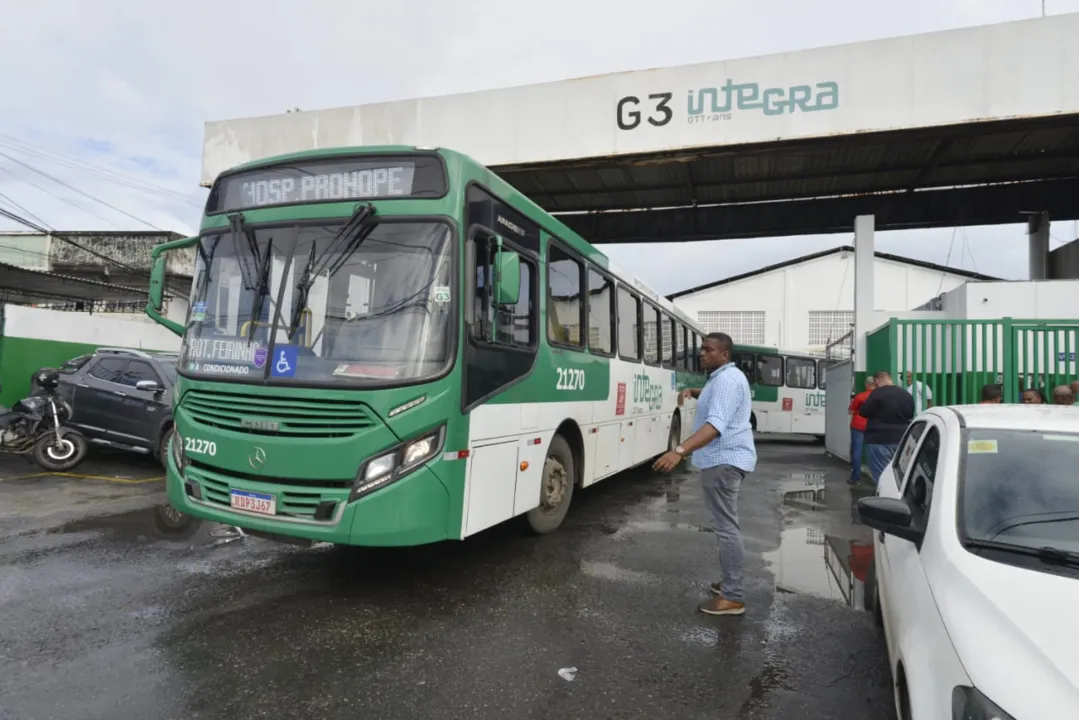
(284, 361)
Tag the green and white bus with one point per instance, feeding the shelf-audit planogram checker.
(788, 389)
(384, 346)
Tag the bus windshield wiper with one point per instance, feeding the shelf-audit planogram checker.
(348, 238)
(238, 227)
(262, 289)
(1048, 554)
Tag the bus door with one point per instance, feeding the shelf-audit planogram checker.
(771, 401)
(807, 414)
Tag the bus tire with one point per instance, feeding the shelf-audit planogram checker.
(674, 438)
(556, 488)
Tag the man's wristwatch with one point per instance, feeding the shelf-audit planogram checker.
(680, 450)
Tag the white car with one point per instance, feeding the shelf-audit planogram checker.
(975, 574)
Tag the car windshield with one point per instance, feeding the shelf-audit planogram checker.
(377, 312)
(1021, 488)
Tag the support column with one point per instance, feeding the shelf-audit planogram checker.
(1038, 237)
(863, 288)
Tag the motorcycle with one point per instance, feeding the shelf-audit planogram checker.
(36, 426)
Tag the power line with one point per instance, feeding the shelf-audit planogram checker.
(80, 192)
(62, 199)
(19, 207)
(21, 146)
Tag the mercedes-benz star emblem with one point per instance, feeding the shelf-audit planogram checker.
(257, 458)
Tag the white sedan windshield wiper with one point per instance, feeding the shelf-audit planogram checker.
(1049, 554)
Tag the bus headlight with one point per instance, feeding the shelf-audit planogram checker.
(397, 462)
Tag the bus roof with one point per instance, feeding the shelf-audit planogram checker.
(814, 354)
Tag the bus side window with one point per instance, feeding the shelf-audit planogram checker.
(653, 333)
(746, 362)
(601, 313)
(681, 360)
(629, 329)
(506, 324)
(770, 370)
(801, 373)
(565, 306)
(667, 346)
(822, 374)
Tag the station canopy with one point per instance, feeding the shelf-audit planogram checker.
(964, 127)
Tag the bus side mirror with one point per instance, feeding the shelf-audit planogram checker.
(157, 283)
(508, 278)
(156, 300)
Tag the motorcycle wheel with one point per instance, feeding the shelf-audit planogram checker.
(61, 456)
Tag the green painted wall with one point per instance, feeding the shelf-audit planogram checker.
(21, 357)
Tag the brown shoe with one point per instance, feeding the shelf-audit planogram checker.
(722, 606)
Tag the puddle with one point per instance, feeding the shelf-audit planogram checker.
(805, 490)
(651, 526)
(610, 571)
(154, 524)
(809, 561)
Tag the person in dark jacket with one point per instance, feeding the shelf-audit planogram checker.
(888, 411)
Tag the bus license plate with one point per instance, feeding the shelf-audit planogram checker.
(262, 503)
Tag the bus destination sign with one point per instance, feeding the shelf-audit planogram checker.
(342, 180)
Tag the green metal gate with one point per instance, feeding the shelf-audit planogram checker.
(956, 358)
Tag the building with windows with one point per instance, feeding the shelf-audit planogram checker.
(807, 302)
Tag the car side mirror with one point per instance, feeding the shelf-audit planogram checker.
(148, 386)
(891, 516)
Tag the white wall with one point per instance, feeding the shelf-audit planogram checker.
(104, 330)
(1042, 299)
(789, 294)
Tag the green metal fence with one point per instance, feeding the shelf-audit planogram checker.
(955, 358)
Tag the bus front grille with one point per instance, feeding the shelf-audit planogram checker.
(278, 416)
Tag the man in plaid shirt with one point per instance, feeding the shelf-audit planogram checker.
(723, 450)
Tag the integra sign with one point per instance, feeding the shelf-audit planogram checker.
(720, 103)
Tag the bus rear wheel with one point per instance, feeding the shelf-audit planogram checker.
(556, 488)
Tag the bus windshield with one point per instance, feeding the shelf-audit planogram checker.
(374, 313)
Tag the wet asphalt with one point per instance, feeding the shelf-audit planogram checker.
(115, 615)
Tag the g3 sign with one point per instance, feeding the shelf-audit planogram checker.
(721, 103)
(659, 114)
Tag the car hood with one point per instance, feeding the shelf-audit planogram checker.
(1016, 631)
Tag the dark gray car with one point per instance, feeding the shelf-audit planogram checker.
(122, 398)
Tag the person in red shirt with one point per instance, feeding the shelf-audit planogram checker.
(857, 431)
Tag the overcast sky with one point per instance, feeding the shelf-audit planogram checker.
(112, 101)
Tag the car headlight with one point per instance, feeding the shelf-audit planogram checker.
(970, 704)
(395, 463)
(177, 448)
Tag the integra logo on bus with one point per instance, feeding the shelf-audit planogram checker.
(645, 391)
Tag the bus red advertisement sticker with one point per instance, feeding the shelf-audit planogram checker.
(369, 371)
(788, 404)
(620, 400)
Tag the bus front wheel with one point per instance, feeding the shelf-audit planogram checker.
(556, 488)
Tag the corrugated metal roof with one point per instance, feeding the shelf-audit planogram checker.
(1016, 150)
